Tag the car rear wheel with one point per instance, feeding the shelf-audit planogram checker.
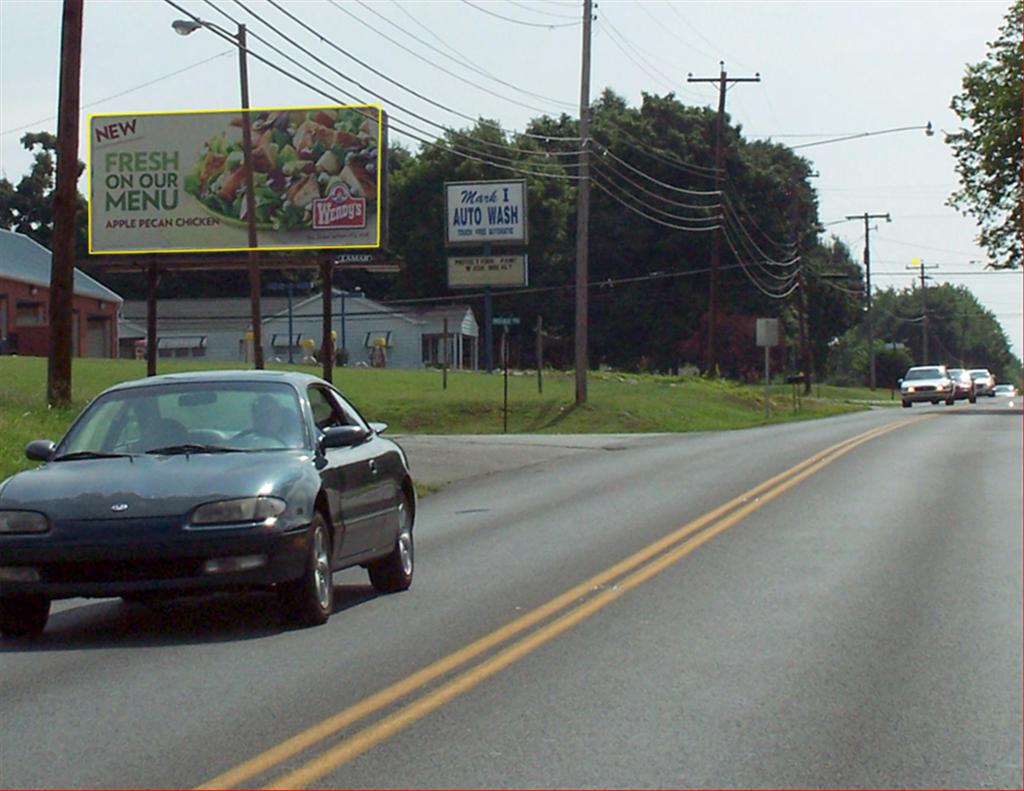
(23, 616)
(949, 401)
(394, 573)
(309, 600)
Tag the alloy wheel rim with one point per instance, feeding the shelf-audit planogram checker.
(404, 540)
(322, 569)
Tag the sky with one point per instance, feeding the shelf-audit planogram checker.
(827, 70)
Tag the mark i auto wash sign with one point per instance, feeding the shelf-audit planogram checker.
(485, 212)
(175, 182)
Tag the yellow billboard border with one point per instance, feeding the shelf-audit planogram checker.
(380, 181)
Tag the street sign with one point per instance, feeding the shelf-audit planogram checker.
(367, 262)
(505, 321)
(767, 332)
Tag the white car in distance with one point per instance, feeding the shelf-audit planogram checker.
(926, 383)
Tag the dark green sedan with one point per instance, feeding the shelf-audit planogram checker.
(203, 482)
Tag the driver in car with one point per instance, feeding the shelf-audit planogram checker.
(269, 419)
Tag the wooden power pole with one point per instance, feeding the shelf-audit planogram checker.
(583, 215)
(723, 81)
(62, 266)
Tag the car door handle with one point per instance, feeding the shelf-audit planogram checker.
(374, 469)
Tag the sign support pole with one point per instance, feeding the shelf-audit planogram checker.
(540, 354)
(444, 356)
(504, 353)
(326, 347)
(488, 332)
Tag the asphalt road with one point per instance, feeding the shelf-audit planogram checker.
(825, 604)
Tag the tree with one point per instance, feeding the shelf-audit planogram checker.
(988, 147)
(961, 333)
(28, 207)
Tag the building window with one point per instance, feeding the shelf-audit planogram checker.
(380, 338)
(279, 344)
(181, 346)
(29, 314)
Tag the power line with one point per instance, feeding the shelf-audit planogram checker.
(607, 152)
(611, 194)
(431, 63)
(476, 156)
(124, 92)
(479, 154)
(519, 21)
(533, 9)
(458, 57)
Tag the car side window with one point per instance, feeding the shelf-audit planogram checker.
(352, 416)
(326, 414)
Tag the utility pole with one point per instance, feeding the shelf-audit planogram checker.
(62, 265)
(583, 215)
(867, 285)
(250, 207)
(917, 263)
(723, 81)
(806, 356)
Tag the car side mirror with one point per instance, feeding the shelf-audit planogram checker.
(899, 383)
(343, 437)
(379, 428)
(40, 449)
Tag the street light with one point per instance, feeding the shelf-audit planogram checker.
(184, 27)
(928, 131)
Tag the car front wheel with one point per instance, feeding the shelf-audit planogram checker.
(394, 572)
(23, 616)
(309, 600)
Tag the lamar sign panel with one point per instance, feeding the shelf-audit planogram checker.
(175, 182)
(485, 212)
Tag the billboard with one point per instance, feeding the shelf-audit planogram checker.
(175, 182)
(485, 212)
(487, 270)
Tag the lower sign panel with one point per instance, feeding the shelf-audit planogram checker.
(476, 271)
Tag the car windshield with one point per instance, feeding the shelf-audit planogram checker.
(980, 374)
(923, 373)
(186, 418)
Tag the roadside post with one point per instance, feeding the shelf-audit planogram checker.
(290, 287)
(444, 355)
(796, 380)
(767, 336)
(505, 322)
(540, 354)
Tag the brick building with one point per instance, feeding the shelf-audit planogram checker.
(25, 304)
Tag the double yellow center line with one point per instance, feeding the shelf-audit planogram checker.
(575, 605)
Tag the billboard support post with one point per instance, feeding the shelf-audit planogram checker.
(153, 280)
(327, 344)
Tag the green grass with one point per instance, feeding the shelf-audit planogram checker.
(415, 402)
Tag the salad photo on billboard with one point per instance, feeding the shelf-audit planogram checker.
(304, 163)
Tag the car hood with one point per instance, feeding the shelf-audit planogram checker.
(937, 382)
(148, 486)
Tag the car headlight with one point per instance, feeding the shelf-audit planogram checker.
(908, 389)
(244, 510)
(23, 522)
